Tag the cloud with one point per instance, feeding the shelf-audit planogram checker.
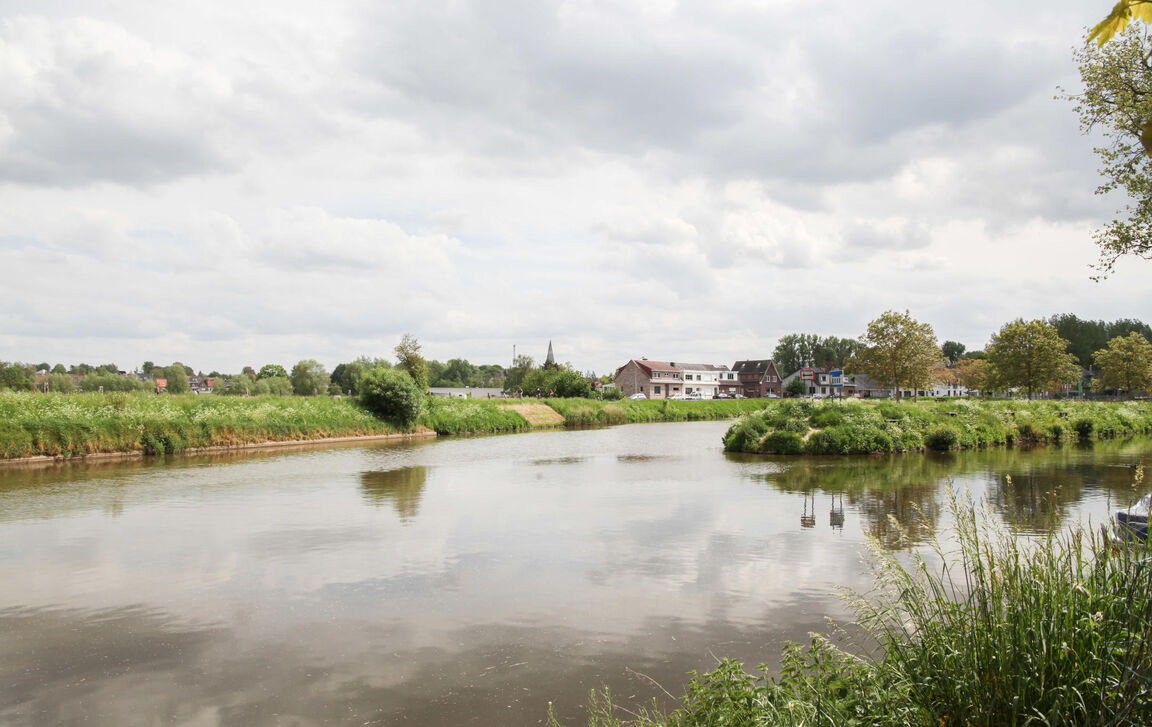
(84, 100)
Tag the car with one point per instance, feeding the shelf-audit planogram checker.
(638, 395)
(680, 397)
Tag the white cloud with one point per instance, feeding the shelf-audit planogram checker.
(228, 185)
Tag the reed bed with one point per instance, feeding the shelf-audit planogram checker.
(1007, 631)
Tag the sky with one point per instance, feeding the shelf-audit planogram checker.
(234, 184)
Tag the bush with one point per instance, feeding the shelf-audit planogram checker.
(745, 434)
(827, 416)
(1083, 427)
(941, 439)
(782, 443)
(391, 394)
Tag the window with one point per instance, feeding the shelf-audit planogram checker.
(655, 389)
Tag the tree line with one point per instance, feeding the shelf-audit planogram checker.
(1028, 357)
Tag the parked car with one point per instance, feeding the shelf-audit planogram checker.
(638, 395)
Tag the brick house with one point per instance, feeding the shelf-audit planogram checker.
(758, 378)
(661, 380)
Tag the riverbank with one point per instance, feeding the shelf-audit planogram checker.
(46, 427)
(857, 426)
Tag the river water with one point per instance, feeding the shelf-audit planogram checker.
(460, 581)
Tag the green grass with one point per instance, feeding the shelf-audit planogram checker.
(72, 425)
(869, 427)
(470, 416)
(1007, 631)
(591, 412)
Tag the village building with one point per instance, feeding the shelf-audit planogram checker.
(758, 379)
(666, 380)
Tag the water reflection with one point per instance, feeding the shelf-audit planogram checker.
(467, 580)
(401, 488)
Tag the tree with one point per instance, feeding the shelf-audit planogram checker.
(59, 369)
(520, 368)
(14, 376)
(248, 370)
(408, 354)
(1125, 364)
(795, 351)
(953, 351)
(268, 371)
(794, 388)
(392, 394)
(309, 378)
(1117, 101)
(177, 378)
(460, 372)
(1029, 355)
(898, 351)
(971, 373)
(147, 366)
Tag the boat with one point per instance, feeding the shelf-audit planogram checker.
(1134, 520)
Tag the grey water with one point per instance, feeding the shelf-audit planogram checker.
(462, 581)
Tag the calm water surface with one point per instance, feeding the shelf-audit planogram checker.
(466, 581)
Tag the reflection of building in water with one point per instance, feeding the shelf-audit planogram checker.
(836, 514)
(400, 488)
(808, 519)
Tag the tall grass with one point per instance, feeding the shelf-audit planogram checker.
(34, 424)
(993, 630)
(470, 416)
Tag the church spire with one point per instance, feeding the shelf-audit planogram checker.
(551, 360)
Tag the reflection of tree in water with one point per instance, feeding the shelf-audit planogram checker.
(400, 488)
(903, 486)
(1035, 491)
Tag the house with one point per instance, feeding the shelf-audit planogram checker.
(662, 380)
(758, 379)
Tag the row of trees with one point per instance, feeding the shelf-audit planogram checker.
(900, 352)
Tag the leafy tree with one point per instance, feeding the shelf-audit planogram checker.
(898, 351)
(44, 366)
(267, 371)
(249, 371)
(392, 395)
(833, 351)
(112, 382)
(1084, 337)
(435, 371)
(238, 385)
(795, 351)
(15, 376)
(1125, 364)
(459, 370)
(971, 373)
(59, 369)
(493, 375)
(147, 366)
(1029, 355)
(60, 383)
(309, 378)
(1117, 101)
(558, 380)
(81, 369)
(953, 351)
(408, 354)
(347, 375)
(177, 378)
(794, 388)
(515, 378)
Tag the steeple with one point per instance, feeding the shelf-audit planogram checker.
(551, 360)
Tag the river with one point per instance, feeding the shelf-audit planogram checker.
(459, 581)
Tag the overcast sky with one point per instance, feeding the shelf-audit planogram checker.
(231, 184)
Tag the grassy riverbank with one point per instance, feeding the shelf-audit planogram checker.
(859, 426)
(1050, 631)
(56, 425)
(74, 425)
(590, 412)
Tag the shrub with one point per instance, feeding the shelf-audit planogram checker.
(745, 433)
(941, 439)
(827, 417)
(391, 394)
(779, 442)
(1083, 427)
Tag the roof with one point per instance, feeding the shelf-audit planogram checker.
(756, 366)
